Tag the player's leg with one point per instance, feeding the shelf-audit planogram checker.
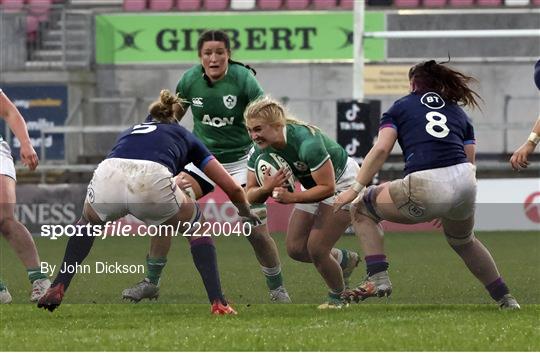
(478, 260)
(203, 252)
(5, 296)
(77, 249)
(20, 239)
(263, 244)
(375, 205)
(326, 231)
(300, 224)
(195, 185)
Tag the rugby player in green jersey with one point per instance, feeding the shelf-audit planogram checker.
(324, 170)
(217, 90)
(14, 231)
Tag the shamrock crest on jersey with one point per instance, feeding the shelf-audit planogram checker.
(229, 101)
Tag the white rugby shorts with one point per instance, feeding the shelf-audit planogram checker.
(6, 161)
(144, 189)
(343, 183)
(448, 192)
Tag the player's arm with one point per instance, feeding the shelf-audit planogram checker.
(259, 194)
(519, 159)
(470, 152)
(370, 166)
(17, 125)
(215, 171)
(325, 187)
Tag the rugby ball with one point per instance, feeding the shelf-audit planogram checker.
(270, 163)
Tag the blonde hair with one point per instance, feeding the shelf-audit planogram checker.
(163, 110)
(273, 113)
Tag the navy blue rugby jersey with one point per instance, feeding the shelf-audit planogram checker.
(170, 145)
(431, 132)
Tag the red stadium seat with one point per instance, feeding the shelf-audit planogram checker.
(346, 4)
(216, 5)
(407, 3)
(242, 4)
(461, 3)
(489, 2)
(160, 5)
(434, 3)
(188, 5)
(134, 5)
(270, 4)
(12, 5)
(324, 4)
(296, 4)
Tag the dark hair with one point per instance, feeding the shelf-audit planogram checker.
(452, 85)
(218, 36)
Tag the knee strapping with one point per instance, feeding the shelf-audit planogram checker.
(366, 205)
(457, 241)
(261, 211)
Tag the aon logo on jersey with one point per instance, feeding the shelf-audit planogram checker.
(217, 121)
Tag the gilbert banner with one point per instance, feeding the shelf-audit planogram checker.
(255, 36)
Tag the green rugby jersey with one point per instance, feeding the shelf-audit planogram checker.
(218, 111)
(305, 153)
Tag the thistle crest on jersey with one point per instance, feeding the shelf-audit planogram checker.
(432, 100)
(229, 101)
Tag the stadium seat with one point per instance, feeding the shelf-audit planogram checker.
(516, 2)
(242, 4)
(296, 4)
(39, 7)
(216, 5)
(32, 26)
(434, 3)
(160, 5)
(134, 5)
(492, 3)
(12, 5)
(270, 4)
(461, 3)
(188, 5)
(407, 3)
(346, 4)
(324, 4)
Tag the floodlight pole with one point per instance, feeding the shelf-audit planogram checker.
(358, 50)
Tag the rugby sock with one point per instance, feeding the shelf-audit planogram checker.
(154, 266)
(77, 249)
(338, 254)
(376, 264)
(274, 279)
(205, 259)
(2, 286)
(497, 289)
(34, 274)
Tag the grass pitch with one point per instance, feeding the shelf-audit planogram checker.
(436, 305)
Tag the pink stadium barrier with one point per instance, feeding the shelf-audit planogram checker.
(461, 3)
(489, 2)
(270, 4)
(134, 5)
(434, 3)
(216, 5)
(324, 4)
(160, 5)
(188, 5)
(407, 3)
(296, 4)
